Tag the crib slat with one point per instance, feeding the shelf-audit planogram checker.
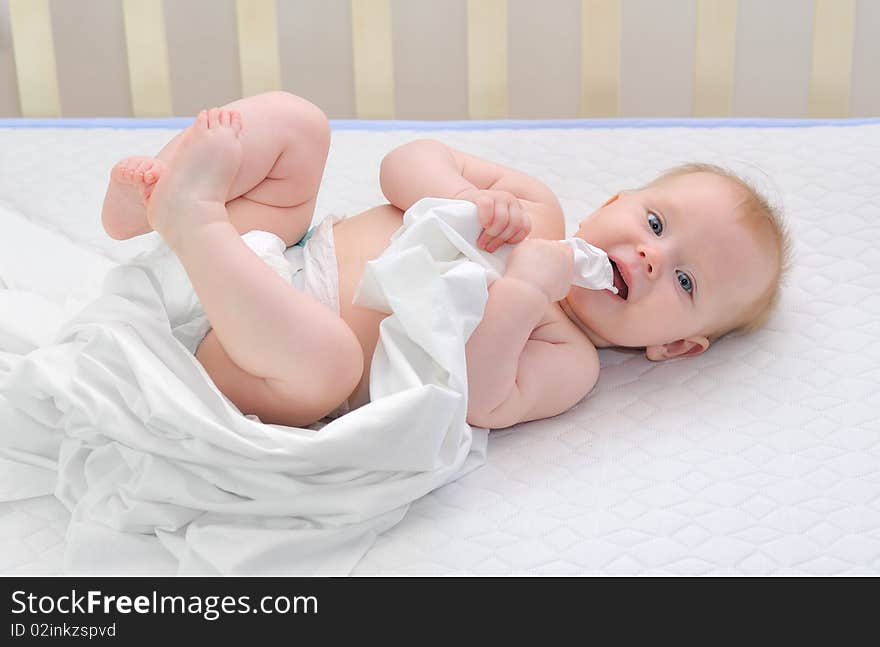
(430, 59)
(865, 95)
(203, 60)
(479, 59)
(31, 24)
(600, 58)
(314, 45)
(258, 46)
(10, 106)
(90, 57)
(714, 57)
(657, 58)
(147, 51)
(772, 58)
(487, 58)
(831, 70)
(544, 78)
(373, 61)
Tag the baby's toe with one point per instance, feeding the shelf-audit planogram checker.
(153, 173)
(235, 121)
(142, 168)
(127, 168)
(213, 117)
(119, 171)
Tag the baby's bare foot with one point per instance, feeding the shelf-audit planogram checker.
(202, 171)
(131, 183)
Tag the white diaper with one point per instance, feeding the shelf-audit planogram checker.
(310, 267)
(319, 275)
(317, 258)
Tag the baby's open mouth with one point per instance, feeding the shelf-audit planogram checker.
(619, 283)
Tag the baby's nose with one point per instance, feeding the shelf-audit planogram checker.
(652, 260)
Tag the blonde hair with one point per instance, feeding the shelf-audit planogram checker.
(758, 216)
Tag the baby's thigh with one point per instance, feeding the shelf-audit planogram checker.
(253, 395)
(288, 223)
(283, 138)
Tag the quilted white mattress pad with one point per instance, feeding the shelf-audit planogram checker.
(761, 456)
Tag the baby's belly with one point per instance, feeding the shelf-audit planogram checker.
(357, 240)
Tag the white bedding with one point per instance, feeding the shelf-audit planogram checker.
(760, 456)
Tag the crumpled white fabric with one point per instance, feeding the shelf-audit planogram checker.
(162, 474)
(439, 223)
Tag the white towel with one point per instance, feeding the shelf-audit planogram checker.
(163, 474)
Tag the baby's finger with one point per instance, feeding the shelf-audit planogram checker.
(500, 221)
(503, 237)
(525, 228)
(483, 239)
(516, 210)
(493, 243)
(485, 211)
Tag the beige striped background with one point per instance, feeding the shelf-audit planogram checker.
(444, 59)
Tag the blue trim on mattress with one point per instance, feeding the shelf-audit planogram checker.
(586, 124)
(177, 123)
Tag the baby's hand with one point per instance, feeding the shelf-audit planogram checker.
(502, 216)
(546, 264)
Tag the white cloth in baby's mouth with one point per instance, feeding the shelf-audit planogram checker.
(592, 269)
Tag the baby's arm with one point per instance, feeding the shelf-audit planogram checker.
(429, 168)
(513, 377)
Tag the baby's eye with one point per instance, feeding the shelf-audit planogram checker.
(655, 223)
(685, 281)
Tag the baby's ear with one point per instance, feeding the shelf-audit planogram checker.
(690, 347)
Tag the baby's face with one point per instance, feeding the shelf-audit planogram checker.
(687, 263)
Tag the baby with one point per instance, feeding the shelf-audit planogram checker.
(696, 254)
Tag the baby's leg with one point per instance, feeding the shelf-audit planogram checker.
(296, 351)
(284, 147)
